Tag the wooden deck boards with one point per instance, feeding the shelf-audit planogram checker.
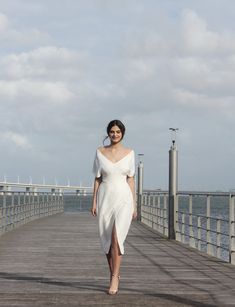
(57, 261)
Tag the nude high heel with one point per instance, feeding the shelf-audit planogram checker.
(113, 292)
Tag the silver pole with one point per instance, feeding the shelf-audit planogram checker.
(173, 188)
(140, 187)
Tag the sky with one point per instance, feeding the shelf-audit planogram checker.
(69, 67)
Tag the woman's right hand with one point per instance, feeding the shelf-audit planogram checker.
(134, 215)
(93, 211)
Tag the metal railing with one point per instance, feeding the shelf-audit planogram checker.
(154, 210)
(21, 203)
(203, 220)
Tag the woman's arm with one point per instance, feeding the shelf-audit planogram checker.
(97, 183)
(131, 182)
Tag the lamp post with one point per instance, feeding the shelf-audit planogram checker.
(140, 185)
(173, 184)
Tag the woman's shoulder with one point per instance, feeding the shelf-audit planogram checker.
(128, 150)
(101, 149)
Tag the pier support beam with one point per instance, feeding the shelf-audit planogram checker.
(173, 188)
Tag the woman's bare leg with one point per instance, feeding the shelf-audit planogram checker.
(110, 262)
(116, 258)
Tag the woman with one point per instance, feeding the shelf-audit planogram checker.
(114, 197)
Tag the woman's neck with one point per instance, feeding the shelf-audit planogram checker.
(116, 146)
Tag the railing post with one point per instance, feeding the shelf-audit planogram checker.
(165, 215)
(191, 233)
(4, 205)
(199, 233)
(173, 188)
(12, 224)
(176, 218)
(183, 229)
(61, 201)
(231, 230)
(218, 240)
(208, 225)
(140, 180)
(18, 208)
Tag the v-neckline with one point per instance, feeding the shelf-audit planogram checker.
(112, 161)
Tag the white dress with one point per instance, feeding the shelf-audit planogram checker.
(114, 197)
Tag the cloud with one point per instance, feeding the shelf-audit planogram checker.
(47, 62)
(3, 23)
(191, 35)
(66, 70)
(43, 75)
(198, 39)
(138, 70)
(191, 99)
(211, 77)
(193, 68)
(17, 139)
(11, 36)
(34, 91)
(190, 58)
(196, 35)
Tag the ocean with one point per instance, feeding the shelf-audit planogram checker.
(77, 203)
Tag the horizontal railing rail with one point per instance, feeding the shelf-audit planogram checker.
(203, 220)
(38, 186)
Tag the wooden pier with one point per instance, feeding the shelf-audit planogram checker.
(57, 261)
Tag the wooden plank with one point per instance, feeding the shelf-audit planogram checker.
(58, 261)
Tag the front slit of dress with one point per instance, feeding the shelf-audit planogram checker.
(114, 226)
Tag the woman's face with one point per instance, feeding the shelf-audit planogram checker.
(115, 134)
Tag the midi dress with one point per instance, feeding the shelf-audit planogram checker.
(114, 197)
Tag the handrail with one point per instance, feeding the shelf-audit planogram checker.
(43, 186)
(194, 228)
(21, 203)
(216, 193)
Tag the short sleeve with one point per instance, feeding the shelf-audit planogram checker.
(131, 171)
(96, 167)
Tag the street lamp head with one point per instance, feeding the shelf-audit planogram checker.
(173, 135)
(140, 157)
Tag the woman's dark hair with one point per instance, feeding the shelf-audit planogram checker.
(115, 122)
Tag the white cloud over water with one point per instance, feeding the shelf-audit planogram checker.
(66, 70)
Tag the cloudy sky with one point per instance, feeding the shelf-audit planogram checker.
(68, 67)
